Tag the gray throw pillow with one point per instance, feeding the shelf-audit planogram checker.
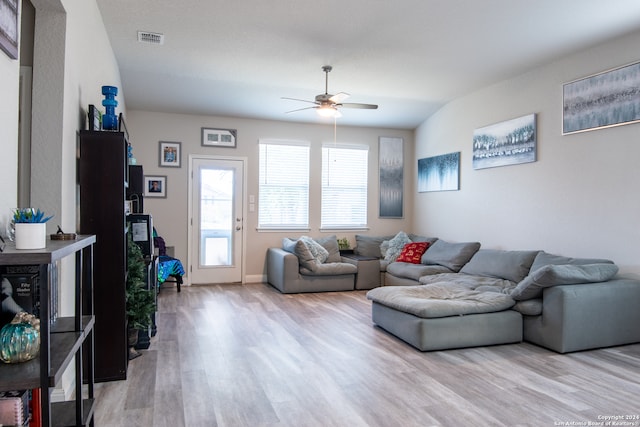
(509, 265)
(450, 255)
(316, 249)
(553, 275)
(299, 249)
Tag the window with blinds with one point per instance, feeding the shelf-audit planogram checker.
(344, 186)
(283, 198)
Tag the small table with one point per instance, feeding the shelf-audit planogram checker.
(368, 275)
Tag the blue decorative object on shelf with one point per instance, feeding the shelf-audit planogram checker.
(109, 119)
(20, 339)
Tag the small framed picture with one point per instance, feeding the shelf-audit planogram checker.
(169, 154)
(219, 137)
(94, 118)
(155, 186)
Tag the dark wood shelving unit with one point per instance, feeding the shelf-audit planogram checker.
(61, 341)
(103, 177)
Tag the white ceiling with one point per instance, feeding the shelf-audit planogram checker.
(238, 58)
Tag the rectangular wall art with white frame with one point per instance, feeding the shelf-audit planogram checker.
(609, 98)
(506, 143)
(391, 173)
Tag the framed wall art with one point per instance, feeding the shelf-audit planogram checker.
(9, 36)
(439, 173)
(219, 137)
(610, 98)
(155, 186)
(169, 154)
(391, 173)
(506, 143)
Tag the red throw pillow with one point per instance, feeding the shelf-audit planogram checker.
(412, 252)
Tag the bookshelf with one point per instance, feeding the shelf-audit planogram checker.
(63, 341)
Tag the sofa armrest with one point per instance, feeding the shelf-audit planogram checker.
(586, 316)
(281, 267)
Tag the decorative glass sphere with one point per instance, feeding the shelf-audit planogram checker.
(20, 339)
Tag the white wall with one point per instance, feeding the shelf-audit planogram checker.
(9, 87)
(170, 214)
(579, 198)
(72, 60)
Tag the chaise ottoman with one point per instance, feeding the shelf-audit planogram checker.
(439, 317)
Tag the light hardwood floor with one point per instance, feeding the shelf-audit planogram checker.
(232, 355)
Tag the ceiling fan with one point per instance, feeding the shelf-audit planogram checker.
(328, 105)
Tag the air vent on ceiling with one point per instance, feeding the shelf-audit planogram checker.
(152, 38)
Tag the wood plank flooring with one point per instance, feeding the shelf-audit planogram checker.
(233, 355)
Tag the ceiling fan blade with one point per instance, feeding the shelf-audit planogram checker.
(301, 100)
(361, 106)
(299, 109)
(339, 97)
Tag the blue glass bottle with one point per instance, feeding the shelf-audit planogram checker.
(109, 119)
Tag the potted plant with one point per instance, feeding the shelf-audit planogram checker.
(344, 246)
(140, 302)
(30, 228)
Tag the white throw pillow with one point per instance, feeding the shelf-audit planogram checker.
(395, 246)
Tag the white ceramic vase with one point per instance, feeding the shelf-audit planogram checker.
(31, 235)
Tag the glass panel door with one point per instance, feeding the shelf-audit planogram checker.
(217, 222)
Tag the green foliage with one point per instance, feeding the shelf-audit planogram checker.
(343, 243)
(28, 215)
(140, 300)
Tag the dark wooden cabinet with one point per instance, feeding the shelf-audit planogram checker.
(61, 340)
(103, 175)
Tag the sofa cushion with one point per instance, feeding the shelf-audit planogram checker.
(330, 269)
(439, 300)
(417, 238)
(330, 243)
(395, 246)
(510, 265)
(530, 307)
(301, 250)
(450, 255)
(552, 275)
(473, 283)
(414, 271)
(543, 258)
(369, 245)
(412, 252)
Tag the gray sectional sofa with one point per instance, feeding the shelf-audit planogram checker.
(459, 295)
(488, 296)
(294, 268)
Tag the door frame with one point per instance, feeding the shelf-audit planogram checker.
(190, 254)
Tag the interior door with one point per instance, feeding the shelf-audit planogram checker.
(217, 220)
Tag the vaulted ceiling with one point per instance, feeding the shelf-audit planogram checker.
(239, 58)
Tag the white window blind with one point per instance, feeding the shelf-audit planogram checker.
(344, 186)
(283, 200)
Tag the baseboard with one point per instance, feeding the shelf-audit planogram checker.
(256, 278)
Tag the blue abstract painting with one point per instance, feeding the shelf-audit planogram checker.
(439, 173)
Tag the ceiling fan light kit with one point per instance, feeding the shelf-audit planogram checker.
(328, 111)
(328, 105)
